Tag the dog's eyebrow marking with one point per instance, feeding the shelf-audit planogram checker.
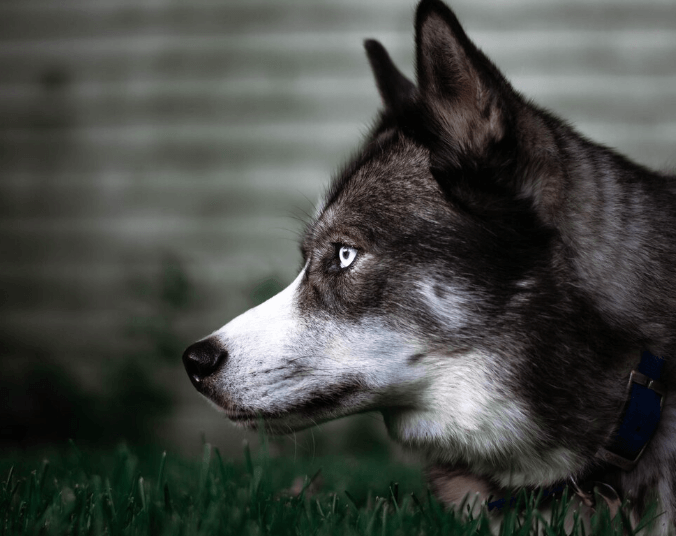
(447, 303)
(526, 283)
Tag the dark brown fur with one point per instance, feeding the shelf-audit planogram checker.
(595, 232)
(492, 238)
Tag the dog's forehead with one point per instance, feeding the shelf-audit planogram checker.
(389, 179)
(392, 169)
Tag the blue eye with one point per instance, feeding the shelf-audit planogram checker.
(346, 255)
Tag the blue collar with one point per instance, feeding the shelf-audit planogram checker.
(640, 417)
(641, 414)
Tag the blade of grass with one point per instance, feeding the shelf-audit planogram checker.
(142, 493)
(384, 520)
(352, 500)
(394, 493)
(8, 481)
(319, 509)
(649, 517)
(167, 499)
(204, 470)
(43, 473)
(247, 457)
(374, 515)
(309, 482)
(160, 474)
(420, 508)
(109, 494)
(221, 467)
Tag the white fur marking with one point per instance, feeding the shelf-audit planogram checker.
(451, 308)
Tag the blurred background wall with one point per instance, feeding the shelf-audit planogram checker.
(158, 157)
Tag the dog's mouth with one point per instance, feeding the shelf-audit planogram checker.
(274, 423)
(318, 407)
(243, 416)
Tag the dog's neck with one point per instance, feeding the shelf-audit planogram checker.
(636, 426)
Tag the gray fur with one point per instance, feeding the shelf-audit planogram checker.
(509, 272)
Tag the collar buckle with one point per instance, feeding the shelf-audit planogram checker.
(654, 385)
(640, 416)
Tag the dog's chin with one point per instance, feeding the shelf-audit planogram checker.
(279, 423)
(276, 423)
(273, 424)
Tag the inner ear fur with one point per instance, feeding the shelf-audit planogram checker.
(463, 91)
(489, 148)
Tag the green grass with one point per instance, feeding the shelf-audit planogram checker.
(149, 492)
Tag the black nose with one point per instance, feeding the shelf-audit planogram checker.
(202, 359)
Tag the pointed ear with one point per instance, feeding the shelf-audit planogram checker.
(461, 88)
(394, 88)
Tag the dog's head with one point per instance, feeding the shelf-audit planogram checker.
(429, 286)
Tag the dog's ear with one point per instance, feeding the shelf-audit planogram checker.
(488, 151)
(394, 88)
(458, 85)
